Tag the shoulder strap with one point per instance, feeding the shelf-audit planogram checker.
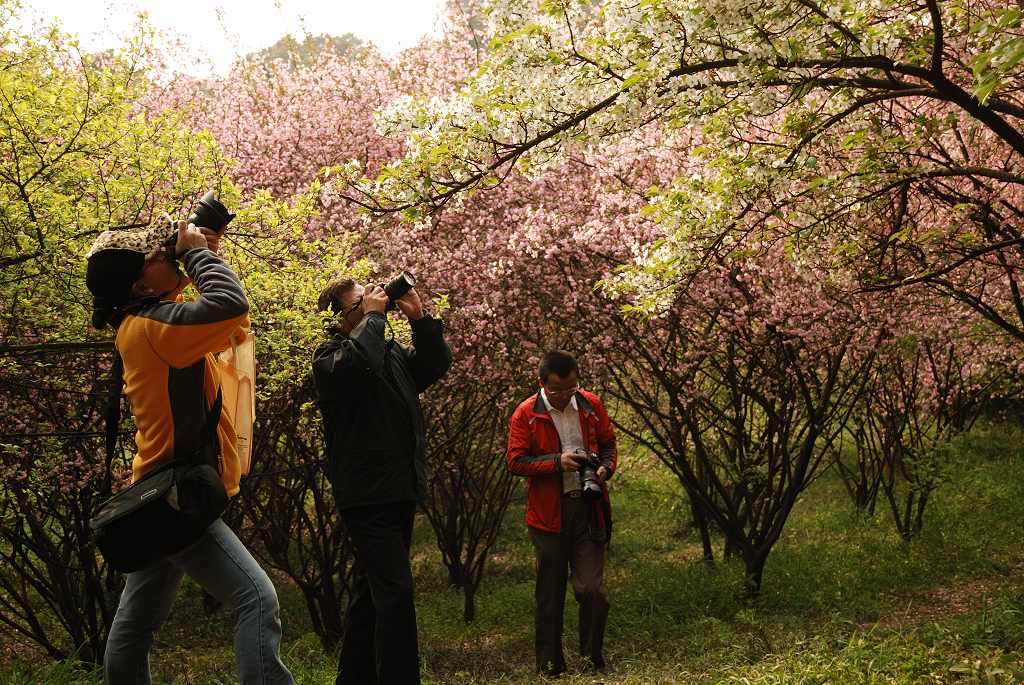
(209, 433)
(113, 416)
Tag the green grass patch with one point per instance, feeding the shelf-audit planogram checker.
(834, 606)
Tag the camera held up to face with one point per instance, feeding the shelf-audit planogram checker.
(397, 287)
(209, 213)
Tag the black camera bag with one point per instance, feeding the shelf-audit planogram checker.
(166, 510)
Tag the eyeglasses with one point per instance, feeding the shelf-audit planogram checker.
(352, 307)
(562, 393)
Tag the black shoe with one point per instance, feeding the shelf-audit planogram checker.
(551, 668)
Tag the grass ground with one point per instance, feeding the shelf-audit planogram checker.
(844, 601)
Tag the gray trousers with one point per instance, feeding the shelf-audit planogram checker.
(579, 547)
(225, 568)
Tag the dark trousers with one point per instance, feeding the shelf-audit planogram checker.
(379, 646)
(579, 546)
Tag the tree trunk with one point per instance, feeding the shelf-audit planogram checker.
(754, 563)
(922, 502)
(469, 603)
(312, 608)
(330, 620)
(700, 520)
(731, 548)
(456, 574)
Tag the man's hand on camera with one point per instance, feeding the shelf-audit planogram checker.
(212, 238)
(571, 461)
(411, 305)
(602, 474)
(374, 299)
(189, 238)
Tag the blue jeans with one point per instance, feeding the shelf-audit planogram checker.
(220, 563)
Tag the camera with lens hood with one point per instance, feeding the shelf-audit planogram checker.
(397, 287)
(210, 213)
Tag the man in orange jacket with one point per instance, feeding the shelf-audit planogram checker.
(551, 435)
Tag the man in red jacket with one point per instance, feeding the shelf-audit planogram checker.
(550, 435)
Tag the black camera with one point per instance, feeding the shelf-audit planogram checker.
(588, 476)
(209, 214)
(398, 286)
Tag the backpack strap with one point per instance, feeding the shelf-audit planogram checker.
(209, 433)
(113, 416)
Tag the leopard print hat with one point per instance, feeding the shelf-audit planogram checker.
(142, 242)
(114, 263)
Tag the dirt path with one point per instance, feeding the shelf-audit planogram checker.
(941, 603)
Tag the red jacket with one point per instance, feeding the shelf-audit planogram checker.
(534, 450)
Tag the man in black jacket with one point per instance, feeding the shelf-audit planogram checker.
(367, 387)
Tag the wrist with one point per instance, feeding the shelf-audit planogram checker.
(422, 318)
(187, 257)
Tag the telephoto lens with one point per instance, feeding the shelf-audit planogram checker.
(398, 286)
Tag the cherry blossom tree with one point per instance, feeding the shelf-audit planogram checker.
(741, 387)
(469, 487)
(54, 589)
(929, 385)
(892, 128)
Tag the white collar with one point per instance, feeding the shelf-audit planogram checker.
(547, 404)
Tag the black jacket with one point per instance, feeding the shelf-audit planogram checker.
(367, 389)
